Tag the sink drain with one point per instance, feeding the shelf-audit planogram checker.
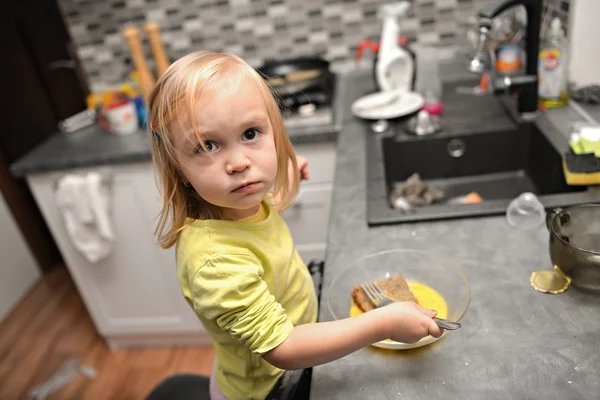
(456, 148)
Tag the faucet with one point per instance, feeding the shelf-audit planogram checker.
(526, 86)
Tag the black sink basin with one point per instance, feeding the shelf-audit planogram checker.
(497, 165)
(497, 161)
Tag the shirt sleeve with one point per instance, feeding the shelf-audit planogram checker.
(229, 289)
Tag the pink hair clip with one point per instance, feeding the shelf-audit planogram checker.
(155, 135)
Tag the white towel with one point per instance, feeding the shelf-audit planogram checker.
(84, 203)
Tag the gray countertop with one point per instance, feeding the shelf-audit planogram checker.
(515, 343)
(87, 147)
(592, 110)
(93, 146)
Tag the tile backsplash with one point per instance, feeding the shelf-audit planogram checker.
(256, 29)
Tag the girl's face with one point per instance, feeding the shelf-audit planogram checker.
(240, 164)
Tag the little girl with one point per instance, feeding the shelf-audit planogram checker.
(226, 170)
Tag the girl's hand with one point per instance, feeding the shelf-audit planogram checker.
(408, 322)
(302, 167)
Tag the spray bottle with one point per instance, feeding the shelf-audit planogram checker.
(394, 68)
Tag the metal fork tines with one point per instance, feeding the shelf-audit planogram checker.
(378, 298)
(375, 295)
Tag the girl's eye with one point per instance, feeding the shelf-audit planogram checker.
(250, 134)
(210, 147)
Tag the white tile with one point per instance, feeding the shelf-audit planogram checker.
(428, 37)
(332, 10)
(296, 8)
(335, 16)
(318, 37)
(234, 49)
(78, 30)
(264, 29)
(158, 15)
(447, 52)
(86, 51)
(167, 37)
(446, 3)
(254, 62)
(99, 87)
(278, 10)
(103, 56)
(238, 3)
(338, 51)
(446, 26)
(352, 15)
(464, 15)
(302, 50)
(192, 25)
(370, 29)
(410, 24)
(348, 66)
(181, 43)
(113, 39)
(135, 3)
(244, 24)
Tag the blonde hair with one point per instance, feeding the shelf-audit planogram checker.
(171, 104)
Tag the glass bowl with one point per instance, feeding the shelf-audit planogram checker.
(417, 267)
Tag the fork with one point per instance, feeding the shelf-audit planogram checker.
(376, 296)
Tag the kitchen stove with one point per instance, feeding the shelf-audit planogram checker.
(305, 89)
(314, 114)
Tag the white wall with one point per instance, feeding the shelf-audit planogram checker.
(584, 38)
(18, 269)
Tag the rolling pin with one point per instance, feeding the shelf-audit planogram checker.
(133, 38)
(158, 50)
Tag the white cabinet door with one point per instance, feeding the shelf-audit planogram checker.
(133, 290)
(308, 219)
(321, 160)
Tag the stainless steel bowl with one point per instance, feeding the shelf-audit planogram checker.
(575, 243)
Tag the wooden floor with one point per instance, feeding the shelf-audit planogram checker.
(51, 325)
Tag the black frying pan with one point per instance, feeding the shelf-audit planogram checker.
(298, 81)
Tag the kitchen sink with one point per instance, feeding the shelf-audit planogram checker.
(489, 154)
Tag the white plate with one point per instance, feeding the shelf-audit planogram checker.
(387, 105)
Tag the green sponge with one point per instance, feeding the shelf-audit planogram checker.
(586, 140)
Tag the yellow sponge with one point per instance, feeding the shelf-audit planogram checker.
(575, 178)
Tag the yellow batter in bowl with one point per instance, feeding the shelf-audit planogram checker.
(426, 296)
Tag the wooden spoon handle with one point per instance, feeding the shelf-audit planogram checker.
(133, 38)
(158, 50)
